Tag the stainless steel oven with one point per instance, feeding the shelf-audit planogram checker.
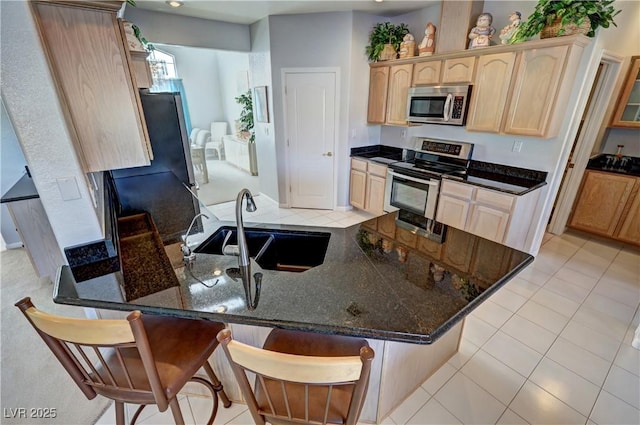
(412, 186)
(417, 195)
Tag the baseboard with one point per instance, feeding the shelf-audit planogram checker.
(345, 208)
(270, 200)
(14, 245)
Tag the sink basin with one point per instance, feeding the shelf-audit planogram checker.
(284, 250)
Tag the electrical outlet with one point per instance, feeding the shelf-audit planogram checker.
(517, 146)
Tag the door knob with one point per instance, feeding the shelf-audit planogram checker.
(327, 154)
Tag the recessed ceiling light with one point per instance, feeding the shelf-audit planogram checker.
(379, 1)
(174, 3)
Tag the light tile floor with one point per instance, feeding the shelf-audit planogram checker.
(553, 346)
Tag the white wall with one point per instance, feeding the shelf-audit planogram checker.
(32, 104)
(12, 164)
(179, 30)
(233, 69)
(261, 75)
(311, 41)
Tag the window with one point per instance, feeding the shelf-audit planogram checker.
(163, 65)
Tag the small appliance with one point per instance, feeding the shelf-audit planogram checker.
(438, 105)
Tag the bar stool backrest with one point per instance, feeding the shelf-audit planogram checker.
(294, 389)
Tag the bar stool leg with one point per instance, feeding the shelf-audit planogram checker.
(217, 385)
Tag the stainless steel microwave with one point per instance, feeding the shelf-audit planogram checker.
(438, 105)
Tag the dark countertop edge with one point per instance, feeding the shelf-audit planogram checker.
(22, 190)
(497, 188)
(383, 151)
(244, 320)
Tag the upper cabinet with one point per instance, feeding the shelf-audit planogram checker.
(627, 112)
(520, 89)
(91, 66)
(535, 90)
(388, 90)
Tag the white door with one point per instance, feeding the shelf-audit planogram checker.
(310, 105)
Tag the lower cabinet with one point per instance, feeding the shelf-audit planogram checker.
(608, 204)
(493, 215)
(366, 186)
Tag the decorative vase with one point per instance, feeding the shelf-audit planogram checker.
(549, 31)
(389, 52)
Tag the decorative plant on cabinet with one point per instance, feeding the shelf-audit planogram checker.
(553, 18)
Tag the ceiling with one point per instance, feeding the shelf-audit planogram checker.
(248, 12)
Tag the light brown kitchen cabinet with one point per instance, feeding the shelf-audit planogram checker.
(535, 90)
(425, 73)
(378, 87)
(141, 69)
(91, 66)
(601, 202)
(458, 70)
(367, 185)
(500, 217)
(630, 221)
(490, 92)
(627, 112)
(399, 83)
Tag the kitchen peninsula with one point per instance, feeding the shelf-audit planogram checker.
(406, 293)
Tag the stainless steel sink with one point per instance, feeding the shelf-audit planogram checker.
(273, 249)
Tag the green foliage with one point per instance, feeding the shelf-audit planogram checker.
(139, 36)
(600, 13)
(246, 115)
(132, 3)
(383, 33)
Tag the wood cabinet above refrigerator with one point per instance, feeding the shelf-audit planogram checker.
(92, 70)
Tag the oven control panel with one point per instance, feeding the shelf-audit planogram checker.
(453, 149)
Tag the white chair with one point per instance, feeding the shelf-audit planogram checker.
(198, 154)
(194, 135)
(218, 129)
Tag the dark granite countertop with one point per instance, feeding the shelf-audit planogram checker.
(627, 165)
(378, 153)
(372, 284)
(22, 190)
(503, 178)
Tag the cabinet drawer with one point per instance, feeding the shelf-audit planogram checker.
(358, 164)
(377, 169)
(494, 199)
(459, 190)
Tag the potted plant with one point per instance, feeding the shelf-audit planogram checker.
(553, 18)
(384, 41)
(246, 116)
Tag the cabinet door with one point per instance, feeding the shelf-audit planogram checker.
(378, 86)
(601, 201)
(427, 72)
(628, 110)
(539, 73)
(458, 70)
(90, 63)
(453, 211)
(490, 90)
(488, 222)
(399, 83)
(357, 188)
(630, 228)
(375, 194)
(141, 69)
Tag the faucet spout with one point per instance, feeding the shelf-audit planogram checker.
(187, 256)
(243, 258)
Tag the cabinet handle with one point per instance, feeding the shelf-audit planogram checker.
(327, 154)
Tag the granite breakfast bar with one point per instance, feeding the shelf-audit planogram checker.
(406, 294)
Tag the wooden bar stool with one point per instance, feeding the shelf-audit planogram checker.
(302, 377)
(142, 360)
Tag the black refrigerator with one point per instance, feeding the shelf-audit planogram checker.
(161, 188)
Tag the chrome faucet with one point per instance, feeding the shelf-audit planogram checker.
(189, 257)
(242, 251)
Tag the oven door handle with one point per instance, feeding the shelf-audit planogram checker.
(448, 107)
(413, 179)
